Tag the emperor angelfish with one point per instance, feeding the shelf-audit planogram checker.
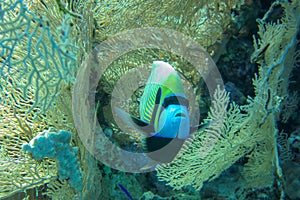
(164, 116)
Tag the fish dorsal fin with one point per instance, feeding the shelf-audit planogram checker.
(156, 105)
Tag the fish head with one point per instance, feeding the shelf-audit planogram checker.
(174, 122)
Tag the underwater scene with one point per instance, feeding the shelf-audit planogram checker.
(149, 100)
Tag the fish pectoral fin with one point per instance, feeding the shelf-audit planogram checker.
(199, 127)
(143, 126)
(134, 122)
(138, 121)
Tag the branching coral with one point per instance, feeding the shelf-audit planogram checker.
(206, 22)
(37, 66)
(17, 171)
(254, 133)
(208, 153)
(37, 50)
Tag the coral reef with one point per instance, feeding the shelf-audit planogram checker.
(42, 44)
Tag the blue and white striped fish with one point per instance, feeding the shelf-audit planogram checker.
(164, 115)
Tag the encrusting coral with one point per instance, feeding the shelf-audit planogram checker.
(57, 145)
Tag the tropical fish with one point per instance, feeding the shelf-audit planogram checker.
(164, 115)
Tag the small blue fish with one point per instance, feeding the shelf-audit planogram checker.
(125, 191)
(164, 116)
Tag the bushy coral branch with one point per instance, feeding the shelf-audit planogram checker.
(39, 55)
